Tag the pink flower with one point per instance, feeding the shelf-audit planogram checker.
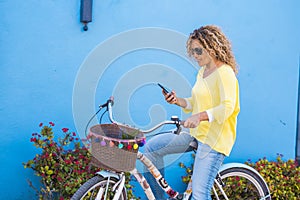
(65, 130)
(41, 124)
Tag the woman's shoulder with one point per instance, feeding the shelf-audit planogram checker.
(226, 69)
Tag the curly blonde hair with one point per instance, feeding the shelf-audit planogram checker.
(215, 43)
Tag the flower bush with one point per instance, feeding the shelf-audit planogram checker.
(62, 165)
(282, 177)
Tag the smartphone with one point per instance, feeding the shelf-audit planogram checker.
(162, 87)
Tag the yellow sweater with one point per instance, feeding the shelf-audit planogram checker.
(217, 93)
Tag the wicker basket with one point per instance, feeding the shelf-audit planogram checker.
(115, 147)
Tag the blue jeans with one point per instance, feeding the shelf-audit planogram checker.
(206, 166)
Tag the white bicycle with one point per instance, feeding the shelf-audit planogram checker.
(115, 150)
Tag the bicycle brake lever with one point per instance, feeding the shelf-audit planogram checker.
(178, 124)
(177, 132)
(110, 100)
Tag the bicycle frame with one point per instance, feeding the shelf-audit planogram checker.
(162, 182)
(118, 187)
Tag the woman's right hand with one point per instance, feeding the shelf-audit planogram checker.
(171, 97)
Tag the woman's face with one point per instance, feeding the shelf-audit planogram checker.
(200, 54)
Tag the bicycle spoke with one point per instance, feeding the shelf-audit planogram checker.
(99, 188)
(100, 193)
(240, 184)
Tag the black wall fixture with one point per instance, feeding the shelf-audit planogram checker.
(298, 122)
(86, 12)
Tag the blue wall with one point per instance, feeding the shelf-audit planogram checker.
(44, 55)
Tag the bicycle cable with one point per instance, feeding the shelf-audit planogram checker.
(100, 120)
(91, 120)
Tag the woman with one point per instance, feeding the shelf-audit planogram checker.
(214, 104)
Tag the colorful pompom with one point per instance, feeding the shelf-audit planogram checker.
(135, 146)
(111, 144)
(97, 140)
(103, 143)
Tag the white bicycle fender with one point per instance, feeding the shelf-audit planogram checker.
(106, 174)
(240, 165)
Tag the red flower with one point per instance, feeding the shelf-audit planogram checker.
(51, 123)
(41, 124)
(74, 134)
(68, 162)
(65, 130)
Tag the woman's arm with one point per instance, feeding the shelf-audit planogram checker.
(229, 91)
(194, 120)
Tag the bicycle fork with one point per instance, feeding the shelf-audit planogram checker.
(117, 188)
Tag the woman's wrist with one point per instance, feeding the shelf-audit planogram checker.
(181, 102)
(203, 116)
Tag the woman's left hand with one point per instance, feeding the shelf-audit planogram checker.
(194, 120)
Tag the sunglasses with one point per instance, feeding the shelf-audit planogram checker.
(198, 51)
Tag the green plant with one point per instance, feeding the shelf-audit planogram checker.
(282, 177)
(62, 165)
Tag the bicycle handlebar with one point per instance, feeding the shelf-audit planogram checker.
(174, 120)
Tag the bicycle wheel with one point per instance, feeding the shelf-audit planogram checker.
(240, 183)
(100, 188)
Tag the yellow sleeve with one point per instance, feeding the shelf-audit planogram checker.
(190, 100)
(227, 86)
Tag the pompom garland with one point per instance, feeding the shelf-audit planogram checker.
(129, 144)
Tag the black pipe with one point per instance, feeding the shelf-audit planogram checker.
(86, 12)
(298, 121)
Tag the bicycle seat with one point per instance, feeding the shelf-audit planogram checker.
(193, 145)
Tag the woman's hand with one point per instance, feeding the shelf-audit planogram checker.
(194, 120)
(171, 97)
